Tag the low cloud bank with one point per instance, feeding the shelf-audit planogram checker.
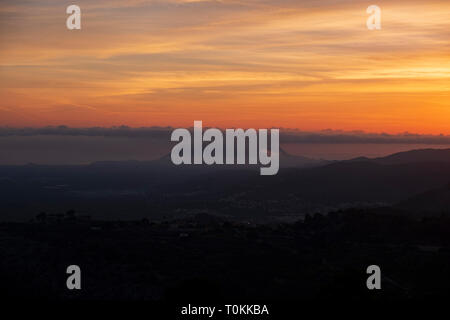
(287, 135)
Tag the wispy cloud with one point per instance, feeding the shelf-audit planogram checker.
(309, 64)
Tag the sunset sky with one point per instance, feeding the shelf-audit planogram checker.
(303, 64)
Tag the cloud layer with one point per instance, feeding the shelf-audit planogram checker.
(286, 135)
(306, 64)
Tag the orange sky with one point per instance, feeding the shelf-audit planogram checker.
(269, 63)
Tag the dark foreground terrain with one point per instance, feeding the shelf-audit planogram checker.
(205, 258)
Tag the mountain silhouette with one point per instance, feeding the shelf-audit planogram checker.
(412, 156)
(433, 201)
(131, 187)
(286, 160)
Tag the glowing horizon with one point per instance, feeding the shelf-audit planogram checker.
(229, 63)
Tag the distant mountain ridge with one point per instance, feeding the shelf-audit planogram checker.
(433, 201)
(411, 179)
(286, 159)
(411, 156)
